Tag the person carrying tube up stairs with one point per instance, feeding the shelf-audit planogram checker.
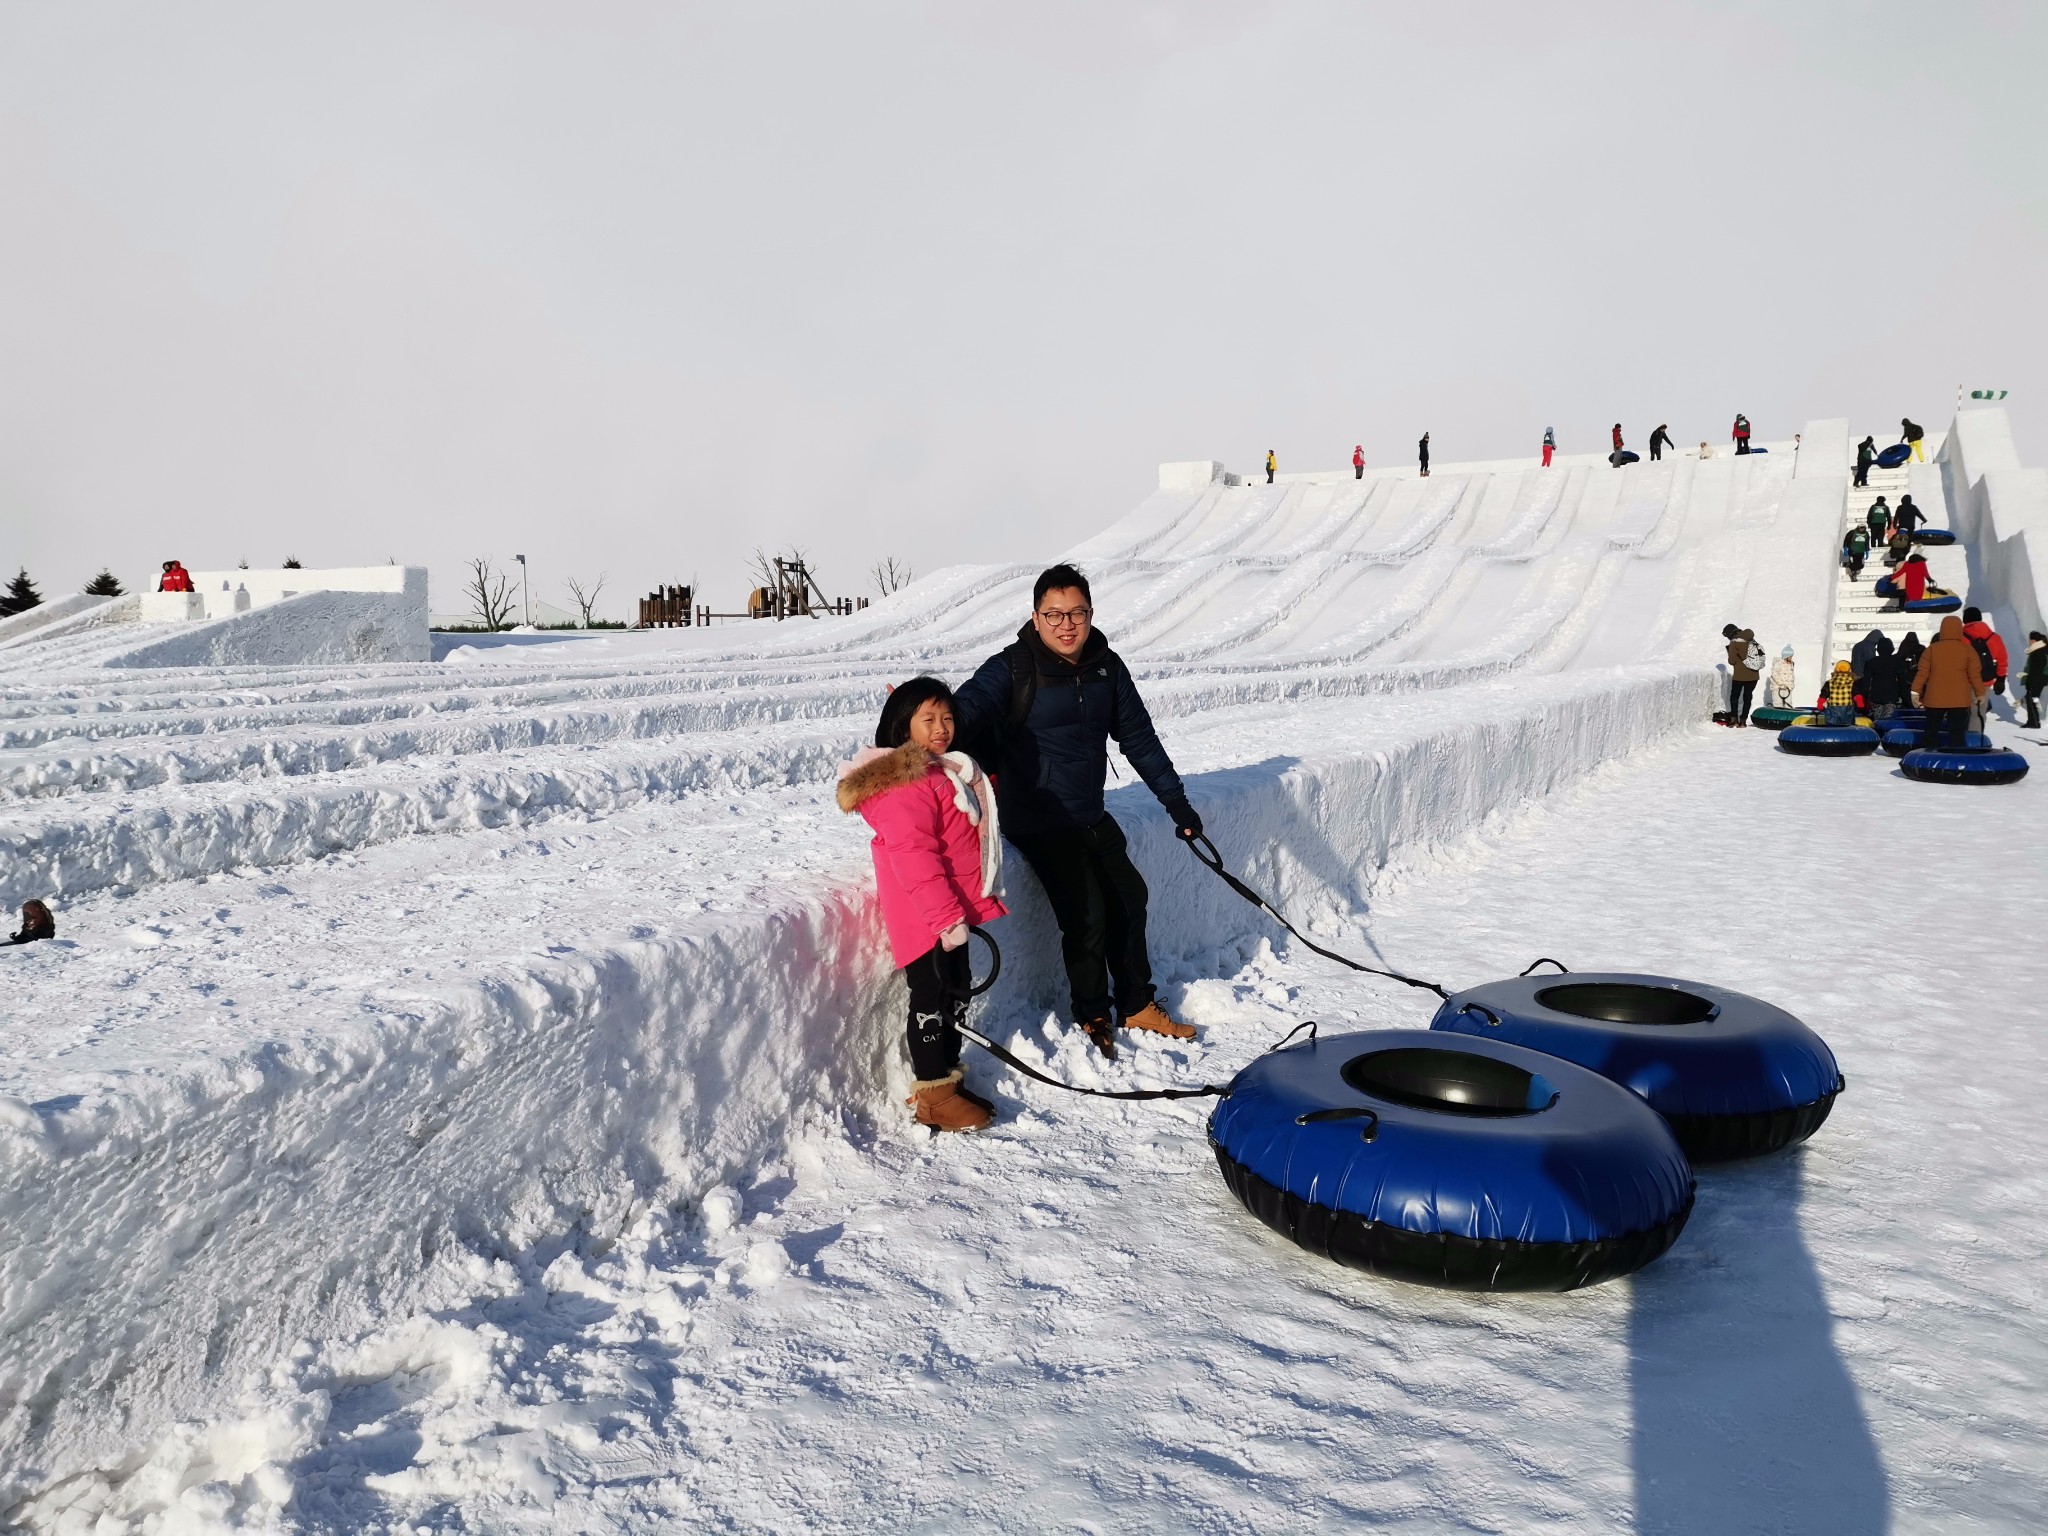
(938, 868)
(1909, 581)
(1042, 712)
(1840, 700)
(1866, 455)
(1745, 666)
(1879, 520)
(1909, 432)
(1908, 516)
(1947, 684)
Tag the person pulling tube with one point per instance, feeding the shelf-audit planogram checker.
(1041, 712)
(939, 868)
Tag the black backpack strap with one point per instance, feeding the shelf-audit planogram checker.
(1023, 681)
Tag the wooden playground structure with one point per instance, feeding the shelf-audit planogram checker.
(794, 594)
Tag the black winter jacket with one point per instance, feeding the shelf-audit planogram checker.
(1049, 767)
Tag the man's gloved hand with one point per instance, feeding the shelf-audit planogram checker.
(953, 937)
(1186, 824)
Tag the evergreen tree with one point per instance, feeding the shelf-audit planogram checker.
(103, 585)
(291, 563)
(21, 594)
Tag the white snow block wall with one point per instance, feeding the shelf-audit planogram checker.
(43, 615)
(1191, 475)
(2000, 511)
(336, 626)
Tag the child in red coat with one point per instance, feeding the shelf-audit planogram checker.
(938, 867)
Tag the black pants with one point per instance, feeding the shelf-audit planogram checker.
(1269, 477)
(1739, 696)
(1358, 471)
(1656, 453)
(1742, 445)
(1947, 728)
(2033, 702)
(1854, 562)
(1863, 476)
(939, 979)
(1098, 899)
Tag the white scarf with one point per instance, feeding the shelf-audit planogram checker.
(976, 798)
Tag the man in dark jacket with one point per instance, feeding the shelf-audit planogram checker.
(1659, 441)
(1908, 516)
(1879, 520)
(1910, 433)
(1040, 714)
(1866, 455)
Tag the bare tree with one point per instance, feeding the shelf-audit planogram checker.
(762, 566)
(489, 594)
(586, 600)
(891, 575)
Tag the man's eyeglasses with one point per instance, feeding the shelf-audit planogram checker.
(1067, 618)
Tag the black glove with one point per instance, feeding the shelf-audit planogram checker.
(1998, 685)
(1186, 823)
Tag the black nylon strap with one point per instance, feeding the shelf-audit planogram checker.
(1213, 861)
(1206, 1091)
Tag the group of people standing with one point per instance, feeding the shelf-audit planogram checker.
(1910, 433)
(1892, 529)
(1017, 755)
(1659, 441)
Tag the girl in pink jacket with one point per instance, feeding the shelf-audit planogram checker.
(938, 865)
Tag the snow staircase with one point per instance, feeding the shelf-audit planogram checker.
(1858, 608)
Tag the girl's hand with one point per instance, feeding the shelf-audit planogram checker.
(953, 937)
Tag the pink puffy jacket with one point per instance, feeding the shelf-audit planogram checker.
(929, 857)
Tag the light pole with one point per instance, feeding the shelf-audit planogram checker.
(525, 592)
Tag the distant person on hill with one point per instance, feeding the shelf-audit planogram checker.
(1271, 465)
(36, 923)
(939, 869)
(1855, 546)
(1358, 461)
(1741, 433)
(1909, 432)
(175, 578)
(1618, 443)
(2034, 677)
(1866, 455)
(1879, 520)
(1422, 453)
(1908, 516)
(1549, 446)
(1783, 679)
(1947, 684)
(1706, 450)
(1659, 441)
(1041, 714)
(1840, 700)
(1745, 666)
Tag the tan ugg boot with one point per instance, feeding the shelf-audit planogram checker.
(1152, 1018)
(942, 1106)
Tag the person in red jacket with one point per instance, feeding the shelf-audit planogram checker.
(1617, 437)
(175, 578)
(1741, 433)
(1986, 642)
(1358, 462)
(1909, 581)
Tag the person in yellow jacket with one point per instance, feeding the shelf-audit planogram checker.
(1271, 465)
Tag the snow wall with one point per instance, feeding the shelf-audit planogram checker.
(148, 1272)
(331, 627)
(2000, 511)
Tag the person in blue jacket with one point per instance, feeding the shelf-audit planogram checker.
(1040, 714)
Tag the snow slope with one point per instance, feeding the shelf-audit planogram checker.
(371, 977)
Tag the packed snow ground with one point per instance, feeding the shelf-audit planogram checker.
(1068, 1324)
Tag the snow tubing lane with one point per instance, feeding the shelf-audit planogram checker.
(1468, 1164)
(1933, 536)
(1997, 765)
(1897, 743)
(1732, 1075)
(1772, 718)
(1828, 740)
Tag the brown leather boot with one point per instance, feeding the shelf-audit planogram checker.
(1153, 1019)
(942, 1106)
(1103, 1034)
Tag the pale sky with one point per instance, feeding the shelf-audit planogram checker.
(635, 288)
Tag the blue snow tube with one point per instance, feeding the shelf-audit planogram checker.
(1732, 1075)
(1906, 738)
(1894, 456)
(1988, 765)
(1469, 1164)
(1933, 536)
(1828, 740)
(1948, 602)
(1884, 587)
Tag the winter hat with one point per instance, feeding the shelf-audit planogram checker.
(1842, 666)
(1786, 653)
(1973, 616)
(905, 700)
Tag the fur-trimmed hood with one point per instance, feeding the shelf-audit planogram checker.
(877, 770)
